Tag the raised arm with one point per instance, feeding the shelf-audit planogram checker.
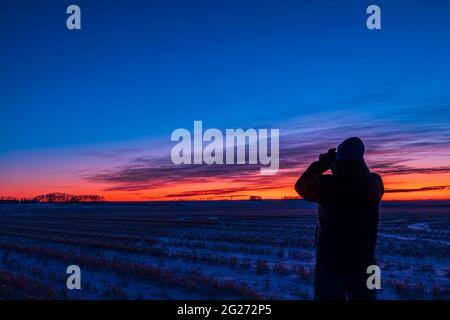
(309, 184)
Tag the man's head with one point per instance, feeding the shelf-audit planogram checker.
(350, 158)
(351, 149)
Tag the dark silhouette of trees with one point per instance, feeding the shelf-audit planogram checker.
(55, 197)
(58, 197)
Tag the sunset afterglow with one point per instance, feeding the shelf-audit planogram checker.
(92, 110)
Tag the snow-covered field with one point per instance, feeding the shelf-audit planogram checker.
(201, 250)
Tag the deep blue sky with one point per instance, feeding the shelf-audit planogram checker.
(140, 69)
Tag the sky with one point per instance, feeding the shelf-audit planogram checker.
(92, 110)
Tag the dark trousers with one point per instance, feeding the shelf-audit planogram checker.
(332, 286)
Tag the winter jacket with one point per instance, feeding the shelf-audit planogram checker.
(348, 201)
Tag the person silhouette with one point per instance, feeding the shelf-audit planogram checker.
(346, 230)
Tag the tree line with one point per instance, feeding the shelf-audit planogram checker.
(55, 197)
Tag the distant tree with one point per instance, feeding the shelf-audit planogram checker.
(59, 197)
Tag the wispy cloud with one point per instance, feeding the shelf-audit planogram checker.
(394, 143)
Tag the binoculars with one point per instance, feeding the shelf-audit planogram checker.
(327, 159)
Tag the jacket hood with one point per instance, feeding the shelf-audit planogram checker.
(351, 149)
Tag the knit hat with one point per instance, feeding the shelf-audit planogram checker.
(351, 149)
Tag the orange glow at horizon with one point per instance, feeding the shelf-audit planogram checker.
(210, 190)
(46, 172)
